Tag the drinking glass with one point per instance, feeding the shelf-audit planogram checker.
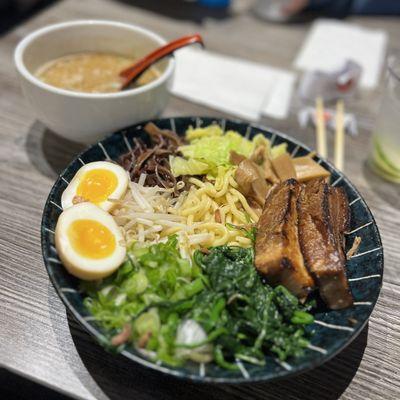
(384, 157)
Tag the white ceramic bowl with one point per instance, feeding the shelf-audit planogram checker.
(87, 117)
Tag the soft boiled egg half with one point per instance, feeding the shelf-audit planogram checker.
(96, 182)
(89, 242)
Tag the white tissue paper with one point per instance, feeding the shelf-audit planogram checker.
(238, 87)
(277, 103)
(331, 43)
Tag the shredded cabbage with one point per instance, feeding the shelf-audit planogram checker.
(261, 140)
(210, 147)
(215, 150)
(181, 166)
(211, 130)
(278, 150)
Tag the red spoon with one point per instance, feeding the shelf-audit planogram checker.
(131, 73)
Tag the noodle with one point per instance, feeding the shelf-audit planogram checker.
(200, 216)
(219, 193)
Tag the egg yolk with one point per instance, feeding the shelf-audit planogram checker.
(91, 239)
(96, 185)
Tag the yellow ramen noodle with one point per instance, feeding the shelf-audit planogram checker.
(211, 205)
(204, 216)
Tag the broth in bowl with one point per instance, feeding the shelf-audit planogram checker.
(87, 117)
(91, 72)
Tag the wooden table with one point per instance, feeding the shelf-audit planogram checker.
(39, 340)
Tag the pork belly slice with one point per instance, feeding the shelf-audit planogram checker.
(339, 211)
(320, 236)
(277, 251)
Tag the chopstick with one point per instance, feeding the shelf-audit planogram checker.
(339, 136)
(320, 125)
(321, 132)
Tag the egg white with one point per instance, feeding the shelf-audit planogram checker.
(122, 178)
(77, 265)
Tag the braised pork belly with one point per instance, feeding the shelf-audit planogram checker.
(300, 240)
(278, 254)
(323, 217)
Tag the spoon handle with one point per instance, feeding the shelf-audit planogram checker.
(131, 73)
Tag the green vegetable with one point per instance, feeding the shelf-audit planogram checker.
(181, 166)
(147, 322)
(150, 291)
(215, 308)
(301, 318)
(196, 133)
(216, 150)
(210, 148)
(249, 233)
(261, 140)
(220, 360)
(278, 150)
(255, 318)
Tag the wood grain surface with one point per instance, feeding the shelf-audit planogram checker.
(39, 340)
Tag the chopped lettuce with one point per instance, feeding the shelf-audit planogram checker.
(278, 150)
(181, 166)
(261, 140)
(210, 148)
(215, 150)
(197, 133)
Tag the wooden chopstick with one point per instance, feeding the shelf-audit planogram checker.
(321, 132)
(339, 136)
(320, 125)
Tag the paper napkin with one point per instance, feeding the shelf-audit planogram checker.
(238, 87)
(331, 43)
(277, 103)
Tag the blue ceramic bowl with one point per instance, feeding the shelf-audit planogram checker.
(332, 330)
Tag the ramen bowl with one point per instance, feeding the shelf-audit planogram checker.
(332, 330)
(87, 117)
